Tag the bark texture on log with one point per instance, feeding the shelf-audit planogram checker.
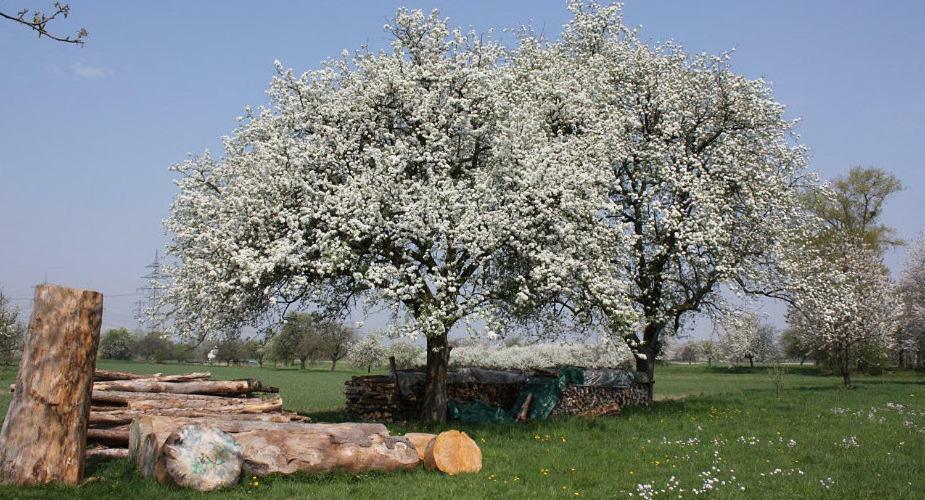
(199, 457)
(43, 437)
(212, 387)
(103, 452)
(125, 417)
(108, 375)
(420, 440)
(453, 452)
(270, 447)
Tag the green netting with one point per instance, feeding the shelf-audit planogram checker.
(477, 412)
(546, 392)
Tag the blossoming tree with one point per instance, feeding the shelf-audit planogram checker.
(702, 170)
(846, 303)
(911, 341)
(429, 178)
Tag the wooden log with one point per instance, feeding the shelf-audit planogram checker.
(107, 453)
(453, 452)
(108, 375)
(44, 434)
(125, 417)
(117, 375)
(116, 436)
(522, 415)
(229, 405)
(420, 440)
(199, 457)
(211, 387)
(270, 447)
(122, 398)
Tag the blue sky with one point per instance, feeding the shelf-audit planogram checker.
(87, 134)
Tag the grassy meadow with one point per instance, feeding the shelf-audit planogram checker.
(713, 433)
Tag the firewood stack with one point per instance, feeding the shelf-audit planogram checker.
(590, 401)
(371, 398)
(118, 398)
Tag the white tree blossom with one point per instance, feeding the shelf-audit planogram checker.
(435, 178)
(368, 352)
(700, 162)
(746, 337)
(846, 303)
(602, 354)
(911, 339)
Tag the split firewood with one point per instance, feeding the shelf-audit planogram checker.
(420, 440)
(199, 457)
(212, 387)
(109, 453)
(44, 434)
(453, 452)
(269, 447)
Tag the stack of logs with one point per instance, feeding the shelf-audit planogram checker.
(118, 398)
(372, 398)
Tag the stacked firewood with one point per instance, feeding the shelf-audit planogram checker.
(587, 400)
(118, 398)
(371, 398)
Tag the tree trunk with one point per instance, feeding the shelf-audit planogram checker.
(433, 408)
(333, 364)
(649, 349)
(43, 438)
(751, 361)
(302, 363)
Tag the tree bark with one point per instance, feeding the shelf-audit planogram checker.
(108, 376)
(209, 387)
(433, 408)
(43, 438)
(286, 448)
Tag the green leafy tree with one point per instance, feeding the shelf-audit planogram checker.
(117, 343)
(336, 340)
(154, 346)
(300, 338)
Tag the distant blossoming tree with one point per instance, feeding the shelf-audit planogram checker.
(911, 340)
(368, 352)
(703, 174)
(846, 304)
(438, 178)
(746, 337)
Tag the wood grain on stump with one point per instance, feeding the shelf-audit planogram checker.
(453, 452)
(43, 438)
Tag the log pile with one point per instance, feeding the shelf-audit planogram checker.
(119, 398)
(372, 399)
(377, 398)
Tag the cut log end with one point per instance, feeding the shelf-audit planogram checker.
(453, 452)
(200, 457)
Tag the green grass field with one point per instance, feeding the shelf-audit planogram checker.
(713, 433)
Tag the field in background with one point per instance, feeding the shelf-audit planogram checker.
(722, 433)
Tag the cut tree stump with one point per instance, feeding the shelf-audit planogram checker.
(453, 452)
(199, 457)
(271, 447)
(43, 437)
(420, 440)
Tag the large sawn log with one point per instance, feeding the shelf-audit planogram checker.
(44, 434)
(109, 375)
(212, 387)
(269, 447)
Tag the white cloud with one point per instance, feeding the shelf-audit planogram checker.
(87, 71)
